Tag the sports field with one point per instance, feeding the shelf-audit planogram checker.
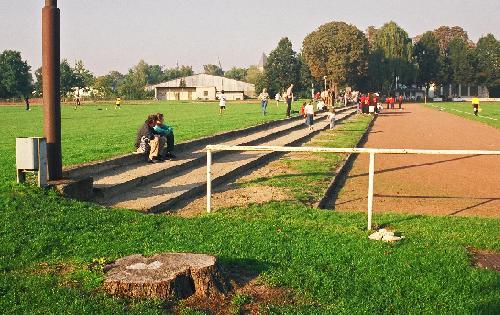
(489, 112)
(322, 262)
(92, 133)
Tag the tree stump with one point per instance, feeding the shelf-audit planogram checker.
(166, 276)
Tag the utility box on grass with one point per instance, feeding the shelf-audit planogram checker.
(31, 156)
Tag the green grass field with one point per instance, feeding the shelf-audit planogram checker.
(48, 242)
(92, 132)
(490, 112)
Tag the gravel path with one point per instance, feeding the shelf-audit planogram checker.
(427, 184)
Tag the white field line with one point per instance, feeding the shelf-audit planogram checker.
(459, 111)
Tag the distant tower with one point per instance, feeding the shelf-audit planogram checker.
(262, 62)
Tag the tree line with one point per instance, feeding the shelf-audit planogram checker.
(378, 59)
(336, 53)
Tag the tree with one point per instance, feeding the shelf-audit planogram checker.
(336, 50)
(83, 78)
(391, 57)
(459, 61)
(154, 74)
(15, 76)
(487, 58)
(426, 53)
(177, 72)
(213, 70)
(282, 68)
(236, 73)
(38, 86)
(253, 75)
(67, 78)
(134, 82)
(446, 34)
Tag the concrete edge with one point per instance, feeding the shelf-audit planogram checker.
(341, 171)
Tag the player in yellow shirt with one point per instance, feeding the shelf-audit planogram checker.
(475, 105)
(118, 103)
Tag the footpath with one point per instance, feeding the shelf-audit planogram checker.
(427, 184)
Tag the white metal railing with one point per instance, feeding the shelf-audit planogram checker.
(371, 169)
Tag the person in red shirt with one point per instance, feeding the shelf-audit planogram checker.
(400, 101)
(375, 102)
(361, 102)
(388, 101)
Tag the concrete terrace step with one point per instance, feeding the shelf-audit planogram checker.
(163, 194)
(119, 180)
(99, 168)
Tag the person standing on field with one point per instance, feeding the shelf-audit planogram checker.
(27, 102)
(289, 99)
(222, 102)
(118, 103)
(475, 105)
(400, 101)
(264, 97)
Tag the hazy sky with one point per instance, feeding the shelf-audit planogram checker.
(116, 34)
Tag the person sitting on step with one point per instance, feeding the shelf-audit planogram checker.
(167, 133)
(147, 142)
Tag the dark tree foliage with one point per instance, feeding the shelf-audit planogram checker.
(282, 68)
(236, 73)
(487, 61)
(213, 70)
(15, 77)
(426, 53)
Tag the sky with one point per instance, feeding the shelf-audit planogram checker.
(115, 34)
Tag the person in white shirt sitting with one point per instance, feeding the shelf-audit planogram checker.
(321, 105)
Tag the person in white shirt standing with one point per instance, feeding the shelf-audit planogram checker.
(264, 97)
(222, 102)
(309, 111)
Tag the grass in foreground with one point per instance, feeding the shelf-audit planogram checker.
(490, 112)
(91, 132)
(48, 242)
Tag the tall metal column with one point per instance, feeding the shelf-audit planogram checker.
(51, 87)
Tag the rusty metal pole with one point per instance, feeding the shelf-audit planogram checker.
(51, 87)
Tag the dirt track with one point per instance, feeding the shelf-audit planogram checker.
(427, 184)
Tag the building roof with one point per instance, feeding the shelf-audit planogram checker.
(207, 80)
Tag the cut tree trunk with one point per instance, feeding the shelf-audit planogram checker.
(166, 276)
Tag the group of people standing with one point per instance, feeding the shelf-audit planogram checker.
(287, 97)
(155, 139)
(372, 100)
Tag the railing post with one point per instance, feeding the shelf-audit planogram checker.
(209, 180)
(370, 189)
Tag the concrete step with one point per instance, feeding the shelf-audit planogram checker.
(162, 195)
(115, 181)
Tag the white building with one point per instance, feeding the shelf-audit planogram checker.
(202, 87)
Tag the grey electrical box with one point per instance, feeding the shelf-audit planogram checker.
(27, 153)
(31, 156)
